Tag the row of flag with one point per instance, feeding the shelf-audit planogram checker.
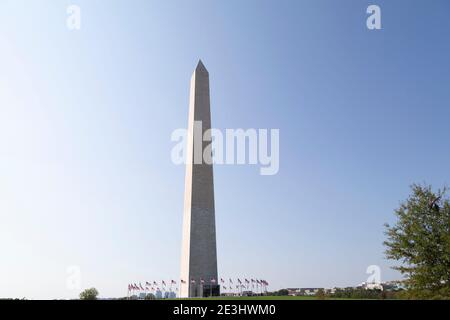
(239, 283)
(148, 285)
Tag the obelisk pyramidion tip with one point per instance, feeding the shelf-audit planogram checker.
(201, 66)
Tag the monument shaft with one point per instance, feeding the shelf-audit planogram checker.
(199, 255)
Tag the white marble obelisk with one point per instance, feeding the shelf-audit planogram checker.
(199, 255)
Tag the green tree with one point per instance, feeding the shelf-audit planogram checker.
(420, 241)
(320, 294)
(89, 294)
(282, 292)
(150, 296)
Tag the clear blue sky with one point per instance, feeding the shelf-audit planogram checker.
(86, 116)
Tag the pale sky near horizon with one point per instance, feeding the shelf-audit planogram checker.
(86, 116)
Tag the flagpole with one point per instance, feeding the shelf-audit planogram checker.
(240, 288)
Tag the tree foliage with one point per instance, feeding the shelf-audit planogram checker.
(150, 296)
(320, 294)
(420, 241)
(360, 293)
(89, 294)
(281, 292)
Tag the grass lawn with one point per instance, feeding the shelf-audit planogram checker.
(257, 298)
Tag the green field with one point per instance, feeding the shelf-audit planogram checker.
(310, 298)
(257, 298)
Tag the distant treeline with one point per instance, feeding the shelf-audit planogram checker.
(357, 293)
(350, 293)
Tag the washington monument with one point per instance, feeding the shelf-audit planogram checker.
(198, 252)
